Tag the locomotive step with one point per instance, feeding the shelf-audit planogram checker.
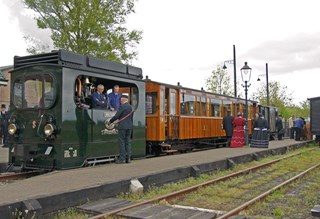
(165, 145)
(170, 151)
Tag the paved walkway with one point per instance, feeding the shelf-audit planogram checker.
(71, 180)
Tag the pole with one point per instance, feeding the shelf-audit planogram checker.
(267, 79)
(235, 71)
(246, 127)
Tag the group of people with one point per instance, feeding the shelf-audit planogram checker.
(103, 101)
(296, 127)
(235, 131)
(116, 101)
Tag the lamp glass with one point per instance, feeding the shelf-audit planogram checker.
(246, 72)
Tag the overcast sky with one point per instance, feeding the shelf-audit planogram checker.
(184, 40)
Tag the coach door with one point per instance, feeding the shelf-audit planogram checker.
(172, 120)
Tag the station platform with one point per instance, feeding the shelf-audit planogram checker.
(77, 186)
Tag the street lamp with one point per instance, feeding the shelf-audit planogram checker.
(233, 61)
(267, 84)
(246, 75)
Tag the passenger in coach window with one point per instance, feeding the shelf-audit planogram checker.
(124, 116)
(114, 98)
(228, 126)
(99, 99)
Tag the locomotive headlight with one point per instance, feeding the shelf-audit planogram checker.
(48, 129)
(12, 128)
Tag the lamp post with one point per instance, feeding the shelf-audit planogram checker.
(246, 75)
(267, 84)
(233, 61)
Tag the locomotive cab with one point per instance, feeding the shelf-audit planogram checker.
(53, 123)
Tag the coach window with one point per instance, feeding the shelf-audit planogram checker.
(162, 104)
(227, 105)
(198, 105)
(151, 103)
(203, 106)
(172, 103)
(215, 107)
(187, 104)
(237, 107)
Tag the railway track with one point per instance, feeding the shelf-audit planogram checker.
(140, 206)
(7, 177)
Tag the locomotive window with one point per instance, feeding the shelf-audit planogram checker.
(151, 102)
(34, 90)
(85, 86)
(134, 97)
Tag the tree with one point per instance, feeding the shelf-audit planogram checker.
(91, 27)
(303, 109)
(278, 95)
(219, 82)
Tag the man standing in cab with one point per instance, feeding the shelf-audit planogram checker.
(114, 98)
(124, 116)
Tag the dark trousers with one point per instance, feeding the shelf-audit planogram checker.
(229, 140)
(280, 134)
(292, 133)
(298, 134)
(124, 137)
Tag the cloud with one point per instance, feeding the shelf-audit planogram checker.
(295, 53)
(27, 24)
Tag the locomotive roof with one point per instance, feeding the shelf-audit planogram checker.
(200, 91)
(79, 61)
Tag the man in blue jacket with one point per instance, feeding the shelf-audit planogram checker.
(298, 126)
(114, 98)
(124, 116)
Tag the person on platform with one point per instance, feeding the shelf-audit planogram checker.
(238, 136)
(114, 98)
(4, 116)
(279, 127)
(228, 126)
(260, 137)
(298, 126)
(291, 126)
(124, 116)
(99, 99)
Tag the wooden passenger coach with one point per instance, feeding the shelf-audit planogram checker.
(182, 118)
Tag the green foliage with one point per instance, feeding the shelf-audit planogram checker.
(219, 82)
(70, 213)
(94, 27)
(278, 212)
(279, 97)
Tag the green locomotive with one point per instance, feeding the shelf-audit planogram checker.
(52, 122)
